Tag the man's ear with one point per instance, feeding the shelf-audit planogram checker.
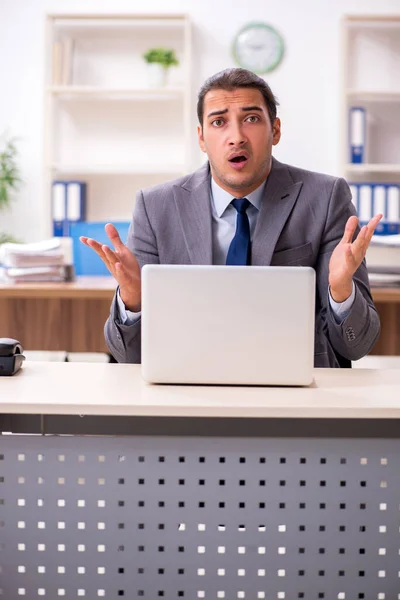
(276, 131)
(201, 138)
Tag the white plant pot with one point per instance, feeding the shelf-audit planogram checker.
(157, 75)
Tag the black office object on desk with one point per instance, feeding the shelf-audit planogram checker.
(11, 356)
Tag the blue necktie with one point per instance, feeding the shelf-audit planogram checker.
(239, 250)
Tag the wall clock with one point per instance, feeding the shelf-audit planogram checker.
(258, 47)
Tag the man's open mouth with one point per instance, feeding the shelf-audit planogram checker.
(238, 162)
(238, 159)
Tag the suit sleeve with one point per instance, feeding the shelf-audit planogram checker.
(124, 341)
(354, 337)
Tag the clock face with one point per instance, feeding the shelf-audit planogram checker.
(258, 47)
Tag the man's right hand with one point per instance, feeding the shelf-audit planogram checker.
(122, 264)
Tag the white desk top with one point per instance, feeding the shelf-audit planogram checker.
(117, 389)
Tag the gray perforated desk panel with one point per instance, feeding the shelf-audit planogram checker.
(169, 507)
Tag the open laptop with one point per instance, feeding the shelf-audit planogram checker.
(228, 325)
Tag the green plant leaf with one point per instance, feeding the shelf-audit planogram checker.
(163, 56)
(6, 238)
(10, 179)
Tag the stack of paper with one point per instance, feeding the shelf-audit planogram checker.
(383, 260)
(49, 260)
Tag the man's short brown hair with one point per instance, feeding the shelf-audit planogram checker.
(232, 79)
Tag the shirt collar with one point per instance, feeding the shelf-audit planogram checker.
(222, 198)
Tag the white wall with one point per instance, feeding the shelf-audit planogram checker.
(307, 83)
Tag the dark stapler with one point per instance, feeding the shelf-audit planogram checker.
(11, 356)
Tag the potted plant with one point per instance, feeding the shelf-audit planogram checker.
(159, 60)
(9, 177)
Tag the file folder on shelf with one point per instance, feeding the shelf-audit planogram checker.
(365, 203)
(76, 201)
(379, 201)
(59, 208)
(370, 199)
(68, 205)
(393, 208)
(357, 130)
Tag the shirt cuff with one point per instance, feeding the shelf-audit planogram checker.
(342, 309)
(127, 317)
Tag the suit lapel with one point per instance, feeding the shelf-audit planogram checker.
(193, 204)
(279, 198)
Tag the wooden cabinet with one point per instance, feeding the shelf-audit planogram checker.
(71, 316)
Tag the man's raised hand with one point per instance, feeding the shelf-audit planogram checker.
(348, 256)
(122, 264)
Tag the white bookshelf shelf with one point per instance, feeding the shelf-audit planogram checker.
(373, 168)
(98, 22)
(76, 91)
(373, 95)
(127, 169)
(95, 71)
(370, 59)
(374, 22)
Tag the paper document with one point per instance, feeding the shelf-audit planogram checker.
(386, 240)
(17, 275)
(52, 252)
(44, 246)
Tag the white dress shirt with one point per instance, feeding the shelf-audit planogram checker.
(223, 216)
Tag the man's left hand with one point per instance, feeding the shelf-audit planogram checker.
(348, 256)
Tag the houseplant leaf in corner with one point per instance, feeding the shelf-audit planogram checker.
(9, 177)
(7, 239)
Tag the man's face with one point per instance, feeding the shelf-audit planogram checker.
(238, 137)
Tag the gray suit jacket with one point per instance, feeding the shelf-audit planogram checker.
(301, 220)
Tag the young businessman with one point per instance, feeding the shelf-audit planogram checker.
(244, 207)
